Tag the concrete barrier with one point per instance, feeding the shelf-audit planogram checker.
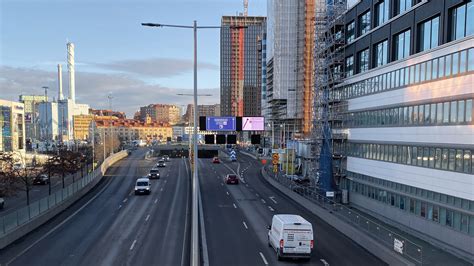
(36, 222)
(367, 242)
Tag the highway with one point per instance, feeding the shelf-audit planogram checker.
(236, 219)
(112, 226)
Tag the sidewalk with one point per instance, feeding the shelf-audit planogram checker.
(415, 249)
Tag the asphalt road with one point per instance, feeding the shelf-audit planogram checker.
(236, 218)
(112, 226)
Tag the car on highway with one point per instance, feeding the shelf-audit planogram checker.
(291, 236)
(231, 179)
(154, 173)
(142, 186)
(2, 203)
(166, 158)
(161, 163)
(216, 160)
(41, 180)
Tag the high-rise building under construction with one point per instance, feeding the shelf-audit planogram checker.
(241, 65)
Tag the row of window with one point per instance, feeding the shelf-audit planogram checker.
(381, 15)
(442, 113)
(427, 35)
(428, 195)
(459, 221)
(438, 68)
(450, 159)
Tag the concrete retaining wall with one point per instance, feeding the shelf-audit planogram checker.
(31, 225)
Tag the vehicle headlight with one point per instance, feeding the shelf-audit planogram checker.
(147, 188)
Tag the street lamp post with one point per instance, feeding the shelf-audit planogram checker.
(195, 183)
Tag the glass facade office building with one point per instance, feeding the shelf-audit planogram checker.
(409, 91)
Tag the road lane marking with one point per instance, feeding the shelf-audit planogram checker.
(271, 209)
(263, 201)
(324, 262)
(227, 193)
(235, 206)
(125, 200)
(245, 225)
(120, 206)
(156, 201)
(263, 258)
(256, 194)
(272, 199)
(147, 217)
(133, 244)
(246, 185)
(161, 189)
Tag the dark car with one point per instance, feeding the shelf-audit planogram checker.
(231, 179)
(166, 158)
(216, 160)
(161, 163)
(41, 180)
(154, 173)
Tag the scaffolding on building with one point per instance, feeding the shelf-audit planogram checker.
(327, 141)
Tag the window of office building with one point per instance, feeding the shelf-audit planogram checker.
(381, 53)
(381, 12)
(428, 34)
(350, 66)
(402, 45)
(459, 18)
(363, 61)
(402, 5)
(350, 31)
(364, 23)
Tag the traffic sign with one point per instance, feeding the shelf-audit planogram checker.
(275, 168)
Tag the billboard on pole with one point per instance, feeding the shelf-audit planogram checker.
(252, 123)
(217, 123)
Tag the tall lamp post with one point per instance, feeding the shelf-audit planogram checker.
(195, 183)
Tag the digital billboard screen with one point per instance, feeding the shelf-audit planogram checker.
(253, 123)
(218, 123)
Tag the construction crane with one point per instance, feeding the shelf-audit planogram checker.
(246, 7)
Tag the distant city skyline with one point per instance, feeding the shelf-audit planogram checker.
(114, 54)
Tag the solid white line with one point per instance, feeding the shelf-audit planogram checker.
(263, 258)
(235, 206)
(125, 200)
(272, 199)
(324, 262)
(227, 193)
(56, 227)
(147, 217)
(133, 244)
(263, 201)
(271, 209)
(245, 225)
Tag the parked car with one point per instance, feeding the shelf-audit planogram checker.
(2, 203)
(291, 236)
(142, 186)
(161, 163)
(41, 180)
(216, 160)
(166, 158)
(231, 179)
(154, 173)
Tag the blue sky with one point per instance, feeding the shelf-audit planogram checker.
(139, 65)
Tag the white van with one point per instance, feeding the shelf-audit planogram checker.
(291, 236)
(142, 186)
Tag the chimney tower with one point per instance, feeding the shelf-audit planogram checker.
(70, 67)
(60, 83)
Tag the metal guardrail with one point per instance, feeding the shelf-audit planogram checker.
(398, 243)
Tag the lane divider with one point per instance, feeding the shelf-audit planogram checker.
(133, 244)
(245, 225)
(235, 206)
(147, 217)
(263, 258)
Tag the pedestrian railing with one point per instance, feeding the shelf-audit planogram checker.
(19, 217)
(14, 219)
(387, 237)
